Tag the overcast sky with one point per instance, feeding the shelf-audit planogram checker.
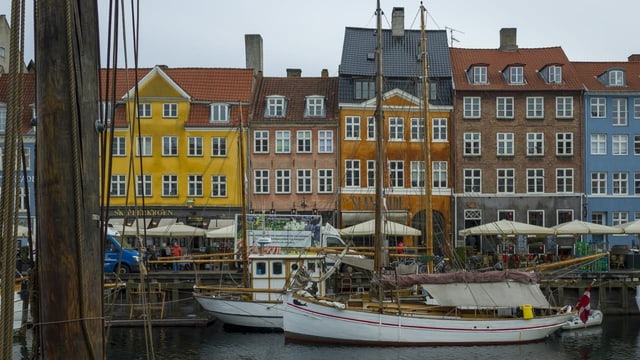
(309, 35)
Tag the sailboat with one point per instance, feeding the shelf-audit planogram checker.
(496, 307)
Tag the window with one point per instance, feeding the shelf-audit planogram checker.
(439, 174)
(283, 142)
(275, 106)
(619, 217)
(506, 181)
(619, 112)
(598, 144)
(516, 75)
(471, 144)
(471, 107)
(619, 144)
(218, 147)
(439, 129)
(417, 129)
(565, 216)
(504, 107)
(220, 112)
(144, 110)
(564, 180)
(536, 217)
(283, 181)
(535, 181)
(371, 128)
(555, 74)
(352, 128)
(325, 181)
(3, 117)
(636, 144)
(636, 108)
(261, 142)
(143, 146)
(620, 183)
(218, 186)
(169, 146)
(169, 110)
(396, 173)
(303, 138)
(194, 185)
(636, 183)
(396, 129)
(564, 144)
(535, 144)
(504, 144)
(472, 180)
(170, 185)
(195, 146)
(598, 218)
(417, 174)
(479, 74)
(325, 141)
(27, 158)
(371, 173)
(564, 107)
(598, 183)
(315, 106)
(352, 173)
(598, 107)
(261, 181)
(104, 112)
(143, 185)
(506, 215)
(364, 89)
(118, 185)
(616, 78)
(304, 185)
(119, 146)
(535, 107)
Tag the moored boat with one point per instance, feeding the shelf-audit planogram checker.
(595, 319)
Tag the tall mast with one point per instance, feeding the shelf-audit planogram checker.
(243, 199)
(379, 259)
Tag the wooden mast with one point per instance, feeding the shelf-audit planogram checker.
(243, 199)
(379, 260)
(69, 269)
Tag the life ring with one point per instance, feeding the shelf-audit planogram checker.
(566, 309)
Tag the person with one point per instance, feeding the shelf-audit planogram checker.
(176, 251)
(153, 255)
(400, 247)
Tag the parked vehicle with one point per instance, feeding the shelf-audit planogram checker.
(119, 257)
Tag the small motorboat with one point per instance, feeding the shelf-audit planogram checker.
(595, 319)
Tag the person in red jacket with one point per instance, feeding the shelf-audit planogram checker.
(176, 250)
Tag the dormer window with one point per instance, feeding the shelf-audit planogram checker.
(364, 89)
(554, 73)
(276, 106)
(479, 74)
(616, 78)
(516, 75)
(314, 106)
(219, 112)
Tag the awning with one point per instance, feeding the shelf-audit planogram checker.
(356, 217)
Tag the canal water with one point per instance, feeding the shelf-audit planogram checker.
(617, 338)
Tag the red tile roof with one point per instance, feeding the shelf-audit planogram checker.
(28, 100)
(589, 71)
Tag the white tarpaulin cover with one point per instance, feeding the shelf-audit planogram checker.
(227, 232)
(584, 227)
(506, 227)
(496, 294)
(388, 228)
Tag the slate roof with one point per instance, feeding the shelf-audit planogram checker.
(589, 71)
(28, 100)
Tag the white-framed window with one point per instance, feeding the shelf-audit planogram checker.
(170, 110)
(616, 78)
(195, 146)
(505, 144)
(440, 174)
(535, 217)
(144, 110)
(3, 117)
(118, 185)
(396, 173)
(636, 183)
(555, 74)
(261, 142)
(535, 144)
(535, 181)
(304, 181)
(417, 129)
(303, 140)
(598, 183)
(325, 141)
(261, 181)
(564, 107)
(218, 146)
(283, 181)
(325, 181)
(506, 180)
(564, 144)
(371, 173)
(220, 112)
(314, 106)
(352, 128)
(619, 111)
(439, 130)
(194, 185)
(143, 185)
(471, 107)
(218, 186)
(364, 89)
(283, 142)
(619, 217)
(636, 144)
(472, 180)
(620, 144)
(620, 182)
(371, 128)
(564, 180)
(504, 107)
(417, 174)
(396, 129)
(169, 185)
(535, 107)
(169, 146)
(564, 215)
(598, 107)
(636, 108)
(143, 146)
(598, 144)
(352, 173)
(471, 144)
(276, 106)
(119, 146)
(516, 75)
(479, 74)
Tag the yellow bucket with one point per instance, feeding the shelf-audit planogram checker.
(527, 311)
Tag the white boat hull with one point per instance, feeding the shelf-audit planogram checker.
(309, 321)
(254, 313)
(595, 319)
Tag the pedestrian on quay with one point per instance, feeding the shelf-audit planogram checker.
(176, 251)
(153, 256)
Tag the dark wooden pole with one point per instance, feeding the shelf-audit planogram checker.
(71, 323)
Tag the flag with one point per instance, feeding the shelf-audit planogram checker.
(584, 305)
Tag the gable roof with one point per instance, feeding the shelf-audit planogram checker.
(589, 71)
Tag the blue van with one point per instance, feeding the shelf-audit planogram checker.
(119, 257)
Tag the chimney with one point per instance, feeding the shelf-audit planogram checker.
(291, 73)
(508, 39)
(253, 52)
(634, 57)
(324, 73)
(397, 21)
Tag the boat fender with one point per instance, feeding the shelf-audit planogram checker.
(566, 309)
